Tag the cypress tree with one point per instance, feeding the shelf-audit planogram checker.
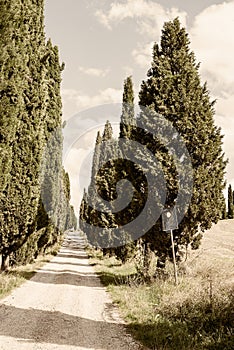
(105, 176)
(224, 214)
(10, 88)
(82, 212)
(230, 202)
(125, 169)
(30, 112)
(55, 184)
(109, 167)
(20, 197)
(108, 132)
(93, 211)
(96, 157)
(173, 89)
(127, 117)
(52, 174)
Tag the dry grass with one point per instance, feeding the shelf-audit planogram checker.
(196, 314)
(14, 277)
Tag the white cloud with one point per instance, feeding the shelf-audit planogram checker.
(213, 43)
(78, 164)
(128, 70)
(95, 72)
(143, 55)
(108, 95)
(149, 16)
(84, 101)
(103, 19)
(225, 110)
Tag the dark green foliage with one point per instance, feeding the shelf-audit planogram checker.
(93, 213)
(173, 89)
(27, 252)
(230, 203)
(19, 199)
(9, 90)
(224, 214)
(128, 170)
(107, 170)
(30, 112)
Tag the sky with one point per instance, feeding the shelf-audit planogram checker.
(102, 42)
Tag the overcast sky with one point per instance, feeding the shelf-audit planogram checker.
(103, 41)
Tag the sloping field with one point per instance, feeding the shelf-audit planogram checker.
(215, 257)
(219, 240)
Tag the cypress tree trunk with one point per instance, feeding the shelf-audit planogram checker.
(4, 262)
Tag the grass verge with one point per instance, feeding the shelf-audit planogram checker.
(196, 314)
(14, 277)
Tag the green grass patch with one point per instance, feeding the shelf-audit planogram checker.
(196, 314)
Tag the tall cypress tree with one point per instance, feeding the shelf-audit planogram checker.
(94, 212)
(96, 157)
(52, 174)
(174, 90)
(106, 170)
(10, 88)
(20, 197)
(30, 110)
(109, 167)
(127, 169)
(230, 202)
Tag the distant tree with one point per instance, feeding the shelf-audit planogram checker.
(108, 132)
(83, 212)
(93, 211)
(224, 214)
(109, 167)
(127, 120)
(230, 202)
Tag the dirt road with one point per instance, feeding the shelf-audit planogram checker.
(63, 307)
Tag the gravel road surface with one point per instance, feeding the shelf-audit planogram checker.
(63, 307)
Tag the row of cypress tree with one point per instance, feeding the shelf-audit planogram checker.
(35, 189)
(230, 212)
(173, 89)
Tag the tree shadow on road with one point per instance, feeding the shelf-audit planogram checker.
(69, 263)
(39, 326)
(70, 278)
(71, 256)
